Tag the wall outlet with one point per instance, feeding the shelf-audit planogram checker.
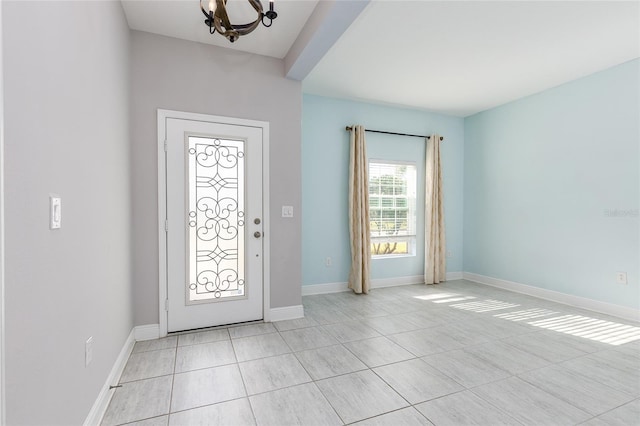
(88, 351)
(327, 262)
(621, 277)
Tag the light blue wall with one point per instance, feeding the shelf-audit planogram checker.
(325, 167)
(541, 174)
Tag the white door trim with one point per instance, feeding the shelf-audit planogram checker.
(163, 115)
(2, 246)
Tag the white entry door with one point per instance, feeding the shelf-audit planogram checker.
(214, 223)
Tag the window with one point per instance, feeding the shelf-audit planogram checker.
(392, 208)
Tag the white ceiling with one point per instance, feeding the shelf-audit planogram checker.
(460, 58)
(452, 57)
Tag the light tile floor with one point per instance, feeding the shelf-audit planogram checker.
(456, 353)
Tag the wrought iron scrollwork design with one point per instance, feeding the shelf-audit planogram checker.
(215, 219)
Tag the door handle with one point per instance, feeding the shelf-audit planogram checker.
(257, 234)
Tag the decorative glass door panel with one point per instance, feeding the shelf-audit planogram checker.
(216, 219)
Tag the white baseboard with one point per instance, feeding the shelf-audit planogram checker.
(146, 332)
(452, 276)
(286, 313)
(308, 290)
(555, 296)
(94, 418)
(393, 282)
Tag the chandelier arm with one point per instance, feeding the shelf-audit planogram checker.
(245, 29)
(204, 11)
(257, 5)
(242, 29)
(221, 13)
(236, 30)
(270, 21)
(229, 33)
(209, 21)
(218, 25)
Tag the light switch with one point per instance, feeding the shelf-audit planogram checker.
(287, 211)
(55, 212)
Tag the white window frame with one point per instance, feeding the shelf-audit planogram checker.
(411, 203)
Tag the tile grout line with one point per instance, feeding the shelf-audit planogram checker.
(614, 408)
(173, 379)
(244, 385)
(524, 379)
(492, 404)
(312, 381)
(389, 412)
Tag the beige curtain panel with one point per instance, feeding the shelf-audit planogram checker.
(359, 228)
(435, 247)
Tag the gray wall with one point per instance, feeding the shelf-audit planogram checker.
(173, 74)
(66, 67)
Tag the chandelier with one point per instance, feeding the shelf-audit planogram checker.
(218, 19)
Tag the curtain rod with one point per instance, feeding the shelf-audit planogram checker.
(393, 133)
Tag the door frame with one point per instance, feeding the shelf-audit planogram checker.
(3, 419)
(163, 115)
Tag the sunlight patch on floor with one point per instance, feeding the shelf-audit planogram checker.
(576, 325)
(484, 305)
(454, 299)
(591, 328)
(435, 296)
(525, 314)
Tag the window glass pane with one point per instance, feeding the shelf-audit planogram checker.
(387, 202)
(392, 201)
